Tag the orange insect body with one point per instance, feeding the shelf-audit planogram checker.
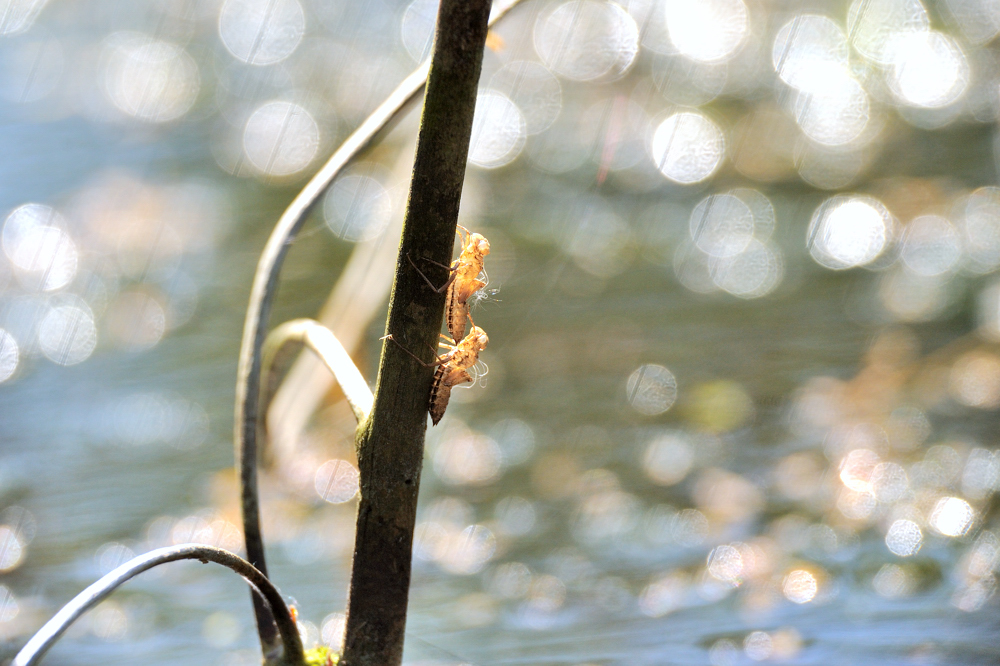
(466, 282)
(454, 369)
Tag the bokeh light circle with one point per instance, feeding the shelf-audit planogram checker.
(261, 32)
(849, 231)
(687, 147)
(149, 79)
(980, 221)
(927, 69)
(754, 272)
(800, 586)
(336, 481)
(67, 334)
(357, 208)
(707, 30)
(873, 24)
(904, 538)
(280, 138)
(583, 40)
(37, 245)
(668, 459)
(721, 225)
(12, 549)
(952, 516)
(836, 113)
(136, 320)
(806, 46)
(417, 28)
(498, 131)
(931, 245)
(533, 89)
(9, 355)
(651, 389)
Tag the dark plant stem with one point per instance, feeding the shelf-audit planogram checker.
(265, 286)
(390, 442)
(50, 632)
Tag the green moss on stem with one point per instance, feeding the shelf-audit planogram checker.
(322, 656)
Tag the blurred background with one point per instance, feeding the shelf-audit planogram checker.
(745, 329)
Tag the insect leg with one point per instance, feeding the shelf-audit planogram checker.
(430, 284)
(439, 360)
(452, 268)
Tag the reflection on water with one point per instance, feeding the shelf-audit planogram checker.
(745, 374)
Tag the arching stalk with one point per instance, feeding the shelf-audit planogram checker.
(325, 344)
(50, 632)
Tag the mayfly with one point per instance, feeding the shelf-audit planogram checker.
(464, 280)
(469, 266)
(452, 368)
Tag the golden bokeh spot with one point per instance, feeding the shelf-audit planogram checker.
(719, 406)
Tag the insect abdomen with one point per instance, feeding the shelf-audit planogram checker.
(444, 379)
(456, 313)
(440, 395)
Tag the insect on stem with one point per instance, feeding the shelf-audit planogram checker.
(465, 281)
(454, 369)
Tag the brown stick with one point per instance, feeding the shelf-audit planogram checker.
(265, 286)
(390, 442)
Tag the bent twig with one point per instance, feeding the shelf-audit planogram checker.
(327, 347)
(50, 632)
(262, 294)
(353, 303)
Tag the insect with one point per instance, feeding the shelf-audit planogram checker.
(469, 265)
(464, 280)
(452, 367)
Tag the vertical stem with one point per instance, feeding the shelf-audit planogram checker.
(390, 442)
(265, 286)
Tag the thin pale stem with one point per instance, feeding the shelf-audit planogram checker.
(327, 347)
(265, 285)
(290, 641)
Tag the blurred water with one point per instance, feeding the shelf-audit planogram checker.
(743, 316)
